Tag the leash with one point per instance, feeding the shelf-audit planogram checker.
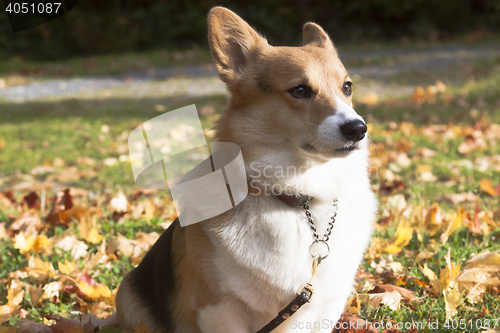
(305, 293)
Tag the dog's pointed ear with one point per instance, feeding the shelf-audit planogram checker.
(314, 35)
(231, 41)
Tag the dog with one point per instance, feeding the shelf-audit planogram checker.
(290, 111)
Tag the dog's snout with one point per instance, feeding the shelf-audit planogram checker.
(354, 130)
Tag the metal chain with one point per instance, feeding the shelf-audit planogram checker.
(328, 231)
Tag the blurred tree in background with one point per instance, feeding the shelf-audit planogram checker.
(97, 26)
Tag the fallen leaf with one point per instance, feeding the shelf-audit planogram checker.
(142, 328)
(4, 313)
(353, 322)
(452, 300)
(27, 224)
(101, 310)
(28, 326)
(146, 241)
(396, 267)
(77, 248)
(457, 223)
(52, 290)
(427, 176)
(32, 200)
(487, 186)
(39, 269)
(390, 298)
(457, 198)
(88, 229)
(433, 219)
(127, 247)
(35, 293)
(404, 234)
(405, 293)
(91, 288)
(434, 281)
(24, 243)
(3, 231)
(66, 268)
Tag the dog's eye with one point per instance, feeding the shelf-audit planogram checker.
(347, 88)
(301, 91)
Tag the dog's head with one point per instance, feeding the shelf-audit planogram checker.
(295, 100)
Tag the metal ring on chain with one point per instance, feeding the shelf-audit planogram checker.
(320, 254)
(315, 235)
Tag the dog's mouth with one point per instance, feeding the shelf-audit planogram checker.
(309, 148)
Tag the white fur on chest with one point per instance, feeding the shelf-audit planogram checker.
(262, 250)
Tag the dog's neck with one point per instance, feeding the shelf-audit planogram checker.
(292, 200)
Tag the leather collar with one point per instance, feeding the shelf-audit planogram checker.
(293, 200)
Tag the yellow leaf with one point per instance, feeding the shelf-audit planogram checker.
(451, 300)
(41, 242)
(66, 268)
(433, 219)
(95, 291)
(429, 273)
(24, 243)
(487, 186)
(457, 223)
(485, 258)
(88, 230)
(15, 297)
(448, 275)
(404, 233)
(40, 269)
(4, 313)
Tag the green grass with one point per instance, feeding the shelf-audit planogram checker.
(37, 133)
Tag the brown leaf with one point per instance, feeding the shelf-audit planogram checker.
(407, 294)
(28, 326)
(62, 202)
(8, 198)
(27, 224)
(32, 200)
(142, 328)
(390, 187)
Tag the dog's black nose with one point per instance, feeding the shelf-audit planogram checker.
(354, 130)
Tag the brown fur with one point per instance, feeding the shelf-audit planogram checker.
(258, 77)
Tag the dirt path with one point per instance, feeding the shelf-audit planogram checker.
(388, 71)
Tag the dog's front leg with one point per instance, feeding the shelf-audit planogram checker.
(226, 316)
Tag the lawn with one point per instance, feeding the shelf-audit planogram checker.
(435, 165)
